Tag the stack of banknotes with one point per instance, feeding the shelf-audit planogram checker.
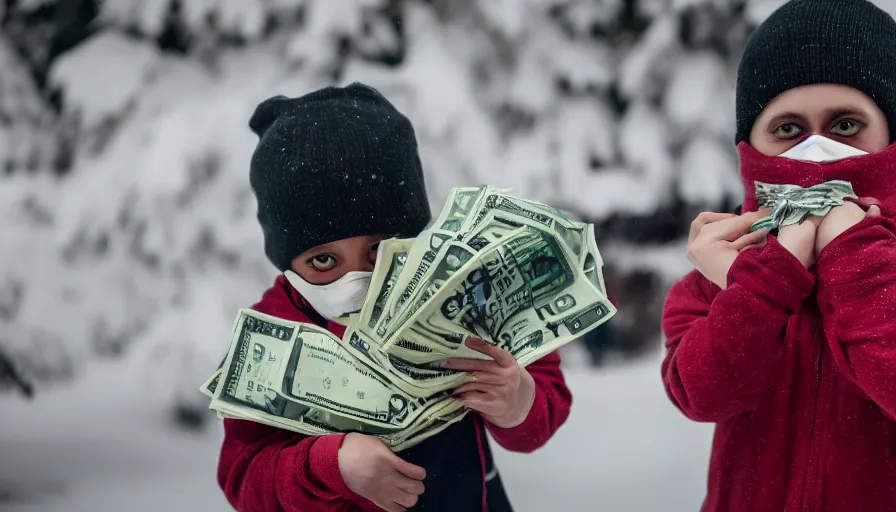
(513, 272)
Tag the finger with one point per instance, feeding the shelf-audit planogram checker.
(758, 245)
(476, 400)
(750, 239)
(407, 469)
(489, 389)
(390, 507)
(488, 377)
(704, 219)
(408, 485)
(405, 499)
(734, 228)
(873, 211)
(867, 202)
(471, 365)
(501, 356)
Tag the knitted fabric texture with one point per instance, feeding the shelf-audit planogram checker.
(334, 164)
(806, 42)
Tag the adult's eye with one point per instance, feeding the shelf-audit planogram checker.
(788, 131)
(846, 128)
(323, 262)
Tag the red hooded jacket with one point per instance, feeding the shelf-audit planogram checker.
(797, 368)
(265, 469)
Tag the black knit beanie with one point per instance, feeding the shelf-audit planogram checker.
(806, 42)
(334, 164)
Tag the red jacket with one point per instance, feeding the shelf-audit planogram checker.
(264, 469)
(798, 371)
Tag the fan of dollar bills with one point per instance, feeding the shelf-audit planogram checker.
(516, 273)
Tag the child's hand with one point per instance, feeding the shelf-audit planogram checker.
(841, 218)
(716, 239)
(373, 471)
(503, 391)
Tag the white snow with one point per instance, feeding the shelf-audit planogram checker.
(758, 10)
(102, 445)
(148, 15)
(707, 172)
(694, 84)
(642, 64)
(102, 76)
(669, 261)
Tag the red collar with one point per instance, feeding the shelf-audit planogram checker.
(872, 175)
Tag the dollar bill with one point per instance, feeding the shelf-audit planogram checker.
(288, 368)
(420, 259)
(792, 204)
(208, 387)
(520, 209)
(392, 257)
(525, 294)
(449, 260)
(592, 262)
(418, 377)
(461, 204)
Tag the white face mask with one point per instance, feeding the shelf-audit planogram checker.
(341, 297)
(821, 149)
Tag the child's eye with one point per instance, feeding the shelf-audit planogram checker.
(787, 131)
(371, 255)
(323, 262)
(846, 128)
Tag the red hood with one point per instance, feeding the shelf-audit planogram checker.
(872, 175)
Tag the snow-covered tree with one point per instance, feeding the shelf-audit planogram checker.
(128, 223)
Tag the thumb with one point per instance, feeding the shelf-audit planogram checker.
(874, 211)
(407, 469)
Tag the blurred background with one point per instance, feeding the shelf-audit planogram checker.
(129, 237)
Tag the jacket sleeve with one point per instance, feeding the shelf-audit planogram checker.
(549, 409)
(724, 347)
(266, 469)
(857, 299)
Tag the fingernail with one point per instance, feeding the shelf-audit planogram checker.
(474, 342)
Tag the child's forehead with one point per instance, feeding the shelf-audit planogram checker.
(346, 243)
(822, 98)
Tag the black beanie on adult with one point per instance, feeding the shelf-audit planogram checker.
(806, 42)
(336, 163)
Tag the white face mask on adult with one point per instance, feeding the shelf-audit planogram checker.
(339, 298)
(820, 150)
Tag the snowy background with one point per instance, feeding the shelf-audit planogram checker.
(129, 236)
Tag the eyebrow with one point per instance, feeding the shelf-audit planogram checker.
(317, 251)
(831, 113)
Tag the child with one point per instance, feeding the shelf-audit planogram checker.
(334, 173)
(788, 342)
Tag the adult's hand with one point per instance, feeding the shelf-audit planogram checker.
(716, 239)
